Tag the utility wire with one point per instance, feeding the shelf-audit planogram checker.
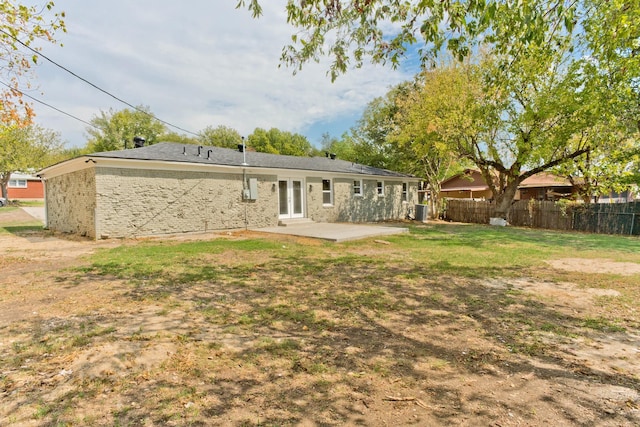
(95, 86)
(48, 105)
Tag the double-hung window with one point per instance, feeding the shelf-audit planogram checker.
(17, 183)
(405, 192)
(357, 187)
(327, 192)
(380, 188)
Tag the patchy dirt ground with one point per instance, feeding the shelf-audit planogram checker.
(84, 349)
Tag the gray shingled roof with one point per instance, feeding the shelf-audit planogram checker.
(186, 153)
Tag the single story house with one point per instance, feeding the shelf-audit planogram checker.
(23, 186)
(169, 188)
(470, 184)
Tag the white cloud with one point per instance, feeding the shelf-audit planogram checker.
(195, 64)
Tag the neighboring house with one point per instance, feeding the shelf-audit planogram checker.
(466, 185)
(471, 185)
(24, 187)
(170, 188)
(626, 196)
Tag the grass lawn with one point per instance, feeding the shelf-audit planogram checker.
(446, 325)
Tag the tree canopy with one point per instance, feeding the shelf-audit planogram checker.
(221, 136)
(23, 149)
(20, 28)
(276, 141)
(348, 31)
(115, 130)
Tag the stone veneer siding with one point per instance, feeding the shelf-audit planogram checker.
(70, 202)
(369, 207)
(135, 202)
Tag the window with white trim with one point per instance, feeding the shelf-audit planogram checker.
(380, 188)
(17, 183)
(327, 192)
(357, 187)
(405, 192)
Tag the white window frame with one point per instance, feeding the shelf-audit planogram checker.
(405, 192)
(17, 183)
(380, 188)
(357, 184)
(329, 191)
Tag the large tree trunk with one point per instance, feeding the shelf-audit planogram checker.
(4, 183)
(505, 198)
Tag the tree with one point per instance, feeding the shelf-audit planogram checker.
(343, 148)
(23, 149)
(221, 136)
(115, 130)
(510, 123)
(21, 27)
(372, 133)
(348, 31)
(418, 119)
(276, 141)
(177, 138)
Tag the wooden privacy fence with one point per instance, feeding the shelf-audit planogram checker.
(603, 218)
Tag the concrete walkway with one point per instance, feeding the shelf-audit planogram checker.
(335, 232)
(37, 213)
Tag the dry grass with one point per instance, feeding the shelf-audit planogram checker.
(446, 326)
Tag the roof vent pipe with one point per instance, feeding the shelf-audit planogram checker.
(184, 151)
(200, 150)
(333, 156)
(209, 154)
(138, 142)
(244, 153)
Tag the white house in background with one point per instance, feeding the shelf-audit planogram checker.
(170, 188)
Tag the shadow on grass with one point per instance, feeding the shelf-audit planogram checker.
(19, 230)
(321, 339)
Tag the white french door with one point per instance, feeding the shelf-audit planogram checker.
(291, 198)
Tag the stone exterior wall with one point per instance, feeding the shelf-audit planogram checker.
(133, 202)
(110, 202)
(368, 207)
(71, 202)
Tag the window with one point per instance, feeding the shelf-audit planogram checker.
(357, 187)
(327, 192)
(405, 192)
(380, 188)
(17, 183)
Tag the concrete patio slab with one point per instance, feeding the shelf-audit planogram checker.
(335, 232)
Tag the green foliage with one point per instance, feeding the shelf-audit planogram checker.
(221, 136)
(113, 130)
(349, 32)
(372, 135)
(25, 149)
(343, 148)
(275, 141)
(178, 138)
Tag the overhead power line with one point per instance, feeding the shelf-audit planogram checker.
(94, 86)
(47, 105)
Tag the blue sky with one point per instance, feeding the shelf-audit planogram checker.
(195, 64)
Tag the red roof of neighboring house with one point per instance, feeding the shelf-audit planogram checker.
(473, 180)
(545, 179)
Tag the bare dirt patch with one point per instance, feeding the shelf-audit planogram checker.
(596, 266)
(346, 345)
